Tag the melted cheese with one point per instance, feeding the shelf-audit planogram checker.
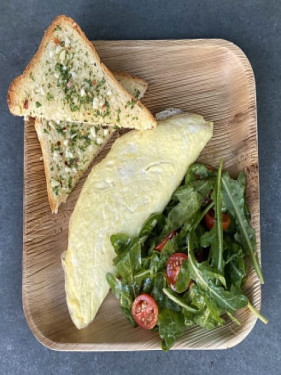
(137, 178)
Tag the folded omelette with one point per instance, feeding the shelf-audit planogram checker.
(135, 179)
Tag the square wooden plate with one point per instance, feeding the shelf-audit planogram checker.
(209, 77)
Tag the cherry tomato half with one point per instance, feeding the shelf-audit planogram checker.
(145, 311)
(210, 220)
(160, 246)
(173, 268)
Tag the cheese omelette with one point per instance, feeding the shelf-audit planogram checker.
(135, 179)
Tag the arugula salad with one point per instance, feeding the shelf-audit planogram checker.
(187, 265)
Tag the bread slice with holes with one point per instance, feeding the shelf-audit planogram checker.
(66, 81)
(68, 148)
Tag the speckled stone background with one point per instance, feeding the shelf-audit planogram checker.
(255, 26)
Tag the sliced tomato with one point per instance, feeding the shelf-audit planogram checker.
(173, 268)
(145, 311)
(160, 246)
(210, 220)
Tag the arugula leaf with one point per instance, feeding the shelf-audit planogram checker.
(182, 213)
(120, 242)
(257, 313)
(237, 271)
(123, 293)
(157, 289)
(182, 193)
(179, 241)
(129, 261)
(171, 326)
(207, 238)
(195, 298)
(212, 273)
(214, 237)
(234, 319)
(128, 315)
(147, 285)
(198, 171)
(142, 275)
(183, 278)
(120, 290)
(157, 293)
(235, 268)
(204, 316)
(217, 244)
(232, 250)
(115, 284)
(199, 216)
(203, 275)
(155, 263)
(206, 320)
(203, 187)
(178, 300)
(233, 192)
(214, 311)
(169, 248)
(227, 300)
(156, 219)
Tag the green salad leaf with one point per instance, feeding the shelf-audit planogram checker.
(184, 278)
(233, 194)
(205, 278)
(199, 172)
(235, 267)
(129, 260)
(202, 179)
(120, 242)
(178, 300)
(122, 291)
(217, 243)
(152, 224)
(171, 326)
(182, 213)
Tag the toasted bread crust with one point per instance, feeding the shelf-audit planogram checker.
(12, 92)
(14, 105)
(125, 75)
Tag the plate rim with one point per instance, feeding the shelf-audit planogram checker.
(107, 347)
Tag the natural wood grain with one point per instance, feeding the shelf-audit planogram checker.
(210, 77)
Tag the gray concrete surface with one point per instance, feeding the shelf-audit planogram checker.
(255, 26)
